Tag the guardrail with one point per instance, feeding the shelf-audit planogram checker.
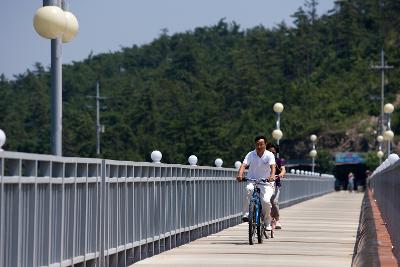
(385, 186)
(58, 211)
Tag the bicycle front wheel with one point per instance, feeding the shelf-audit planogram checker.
(252, 222)
(259, 224)
(260, 230)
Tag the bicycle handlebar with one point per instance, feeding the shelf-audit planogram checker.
(262, 180)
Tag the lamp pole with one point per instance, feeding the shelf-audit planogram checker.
(278, 123)
(278, 120)
(53, 21)
(278, 108)
(388, 109)
(313, 152)
(277, 133)
(56, 88)
(380, 153)
(382, 67)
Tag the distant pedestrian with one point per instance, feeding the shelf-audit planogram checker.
(350, 182)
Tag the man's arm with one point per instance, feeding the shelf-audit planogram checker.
(271, 177)
(239, 176)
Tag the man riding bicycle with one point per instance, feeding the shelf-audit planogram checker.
(261, 163)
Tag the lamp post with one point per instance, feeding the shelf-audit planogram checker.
(380, 153)
(277, 133)
(382, 67)
(388, 109)
(278, 108)
(313, 152)
(52, 22)
(388, 136)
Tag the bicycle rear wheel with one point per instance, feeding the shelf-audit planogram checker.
(252, 222)
(273, 225)
(260, 227)
(259, 233)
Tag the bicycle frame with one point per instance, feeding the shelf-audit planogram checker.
(256, 199)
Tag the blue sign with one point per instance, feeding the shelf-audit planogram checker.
(348, 158)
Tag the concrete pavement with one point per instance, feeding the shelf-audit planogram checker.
(318, 232)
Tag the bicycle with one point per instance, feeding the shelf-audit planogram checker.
(255, 214)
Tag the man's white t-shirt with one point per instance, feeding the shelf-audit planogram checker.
(259, 167)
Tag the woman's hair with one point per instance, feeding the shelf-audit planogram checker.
(269, 145)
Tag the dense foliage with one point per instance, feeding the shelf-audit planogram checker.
(210, 91)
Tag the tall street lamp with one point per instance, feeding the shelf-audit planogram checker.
(313, 152)
(388, 136)
(278, 108)
(382, 67)
(388, 109)
(52, 21)
(277, 133)
(380, 153)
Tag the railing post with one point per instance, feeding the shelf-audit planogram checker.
(102, 213)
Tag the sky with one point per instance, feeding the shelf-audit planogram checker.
(108, 25)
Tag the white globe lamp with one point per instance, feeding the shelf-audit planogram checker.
(237, 165)
(277, 134)
(218, 162)
(388, 108)
(71, 28)
(313, 138)
(2, 139)
(49, 22)
(156, 156)
(278, 107)
(192, 160)
(388, 135)
(313, 153)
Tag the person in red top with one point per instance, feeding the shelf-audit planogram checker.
(280, 174)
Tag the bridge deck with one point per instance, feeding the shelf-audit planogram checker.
(318, 232)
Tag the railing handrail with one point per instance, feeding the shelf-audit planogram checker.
(385, 187)
(71, 209)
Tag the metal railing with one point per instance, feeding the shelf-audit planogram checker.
(58, 211)
(385, 185)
